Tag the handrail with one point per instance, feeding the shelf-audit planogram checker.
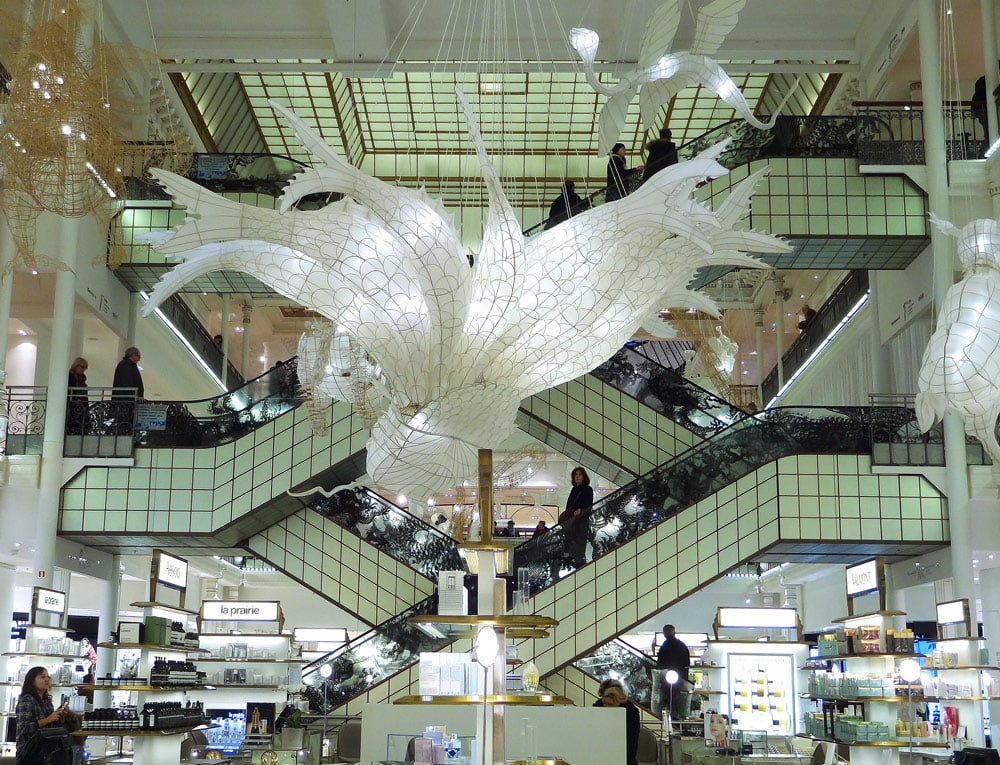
(188, 323)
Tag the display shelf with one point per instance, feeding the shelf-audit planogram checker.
(58, 656)
(509, 699)
(887, 744)
(152, 647)
(220, 659)
(460, 626)
(138, 732)
(872, 655)
(149, 604)
(855, 618)
(149, 688)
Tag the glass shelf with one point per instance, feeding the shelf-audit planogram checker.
(466, 625)
(510, 699)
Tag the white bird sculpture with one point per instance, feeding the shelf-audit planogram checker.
(661, 74)
(960, 370)
(453, 349)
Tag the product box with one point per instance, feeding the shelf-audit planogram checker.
(453, 597)
(130, 632)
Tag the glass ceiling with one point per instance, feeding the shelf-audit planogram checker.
(539, 127)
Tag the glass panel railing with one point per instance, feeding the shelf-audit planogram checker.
(617, 660)
(212, 421)
(391, 529)
(373, 657)
(667, 392)
(255, 173)
(188, 324)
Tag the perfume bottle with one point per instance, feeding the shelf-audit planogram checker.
(529, 678)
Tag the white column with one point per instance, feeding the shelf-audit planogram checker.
(989, 585)
(47, 512)
(779, 324)
(989, 20)
(7, 574)
(108, 623)
(6, 286)
(224, 330)
(758, 327)
(245, 358)
(135, 303)
(881, 377)
(956, 482)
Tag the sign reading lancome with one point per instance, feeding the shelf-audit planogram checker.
(171, 571)
(50, 600)
(239, 611)
(862, 578)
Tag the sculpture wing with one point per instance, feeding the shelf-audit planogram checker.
(659, 33)
(612, 119)
(715, 21)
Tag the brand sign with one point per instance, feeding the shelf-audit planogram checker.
(773, 618)
(952, 612)
(862, 578)
(171, 571)
(239, 611)
(50, 600)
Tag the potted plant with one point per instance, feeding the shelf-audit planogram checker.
(290, 728)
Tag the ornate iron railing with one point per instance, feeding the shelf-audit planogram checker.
(26, 419)
(393, 530)
(221, 419)
(668, 393)
(892, 133)
(373, 657)
(617, 660)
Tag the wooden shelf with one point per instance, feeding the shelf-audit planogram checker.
(965, 667)
(151, 647)
(42, 655)
(889, 743)
(206, 659)
(846, 656)
(235, 637)
(509, 699)
(164, 606)
(140, 733)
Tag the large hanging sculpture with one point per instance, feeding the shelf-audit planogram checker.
(661, 74)
(453, 349)
(960, 371)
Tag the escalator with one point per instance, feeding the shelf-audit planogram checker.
(787, 485)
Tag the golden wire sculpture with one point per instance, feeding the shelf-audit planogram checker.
(66, 114)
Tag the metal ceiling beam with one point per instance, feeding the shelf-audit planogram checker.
(373, 70)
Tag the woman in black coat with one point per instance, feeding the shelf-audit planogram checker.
(574, 518)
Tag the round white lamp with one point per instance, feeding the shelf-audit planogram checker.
(909, 672)
(671, 677)
(325, 672)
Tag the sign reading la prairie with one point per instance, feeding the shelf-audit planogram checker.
(239, 611)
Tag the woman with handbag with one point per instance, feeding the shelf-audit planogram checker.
(40, 728)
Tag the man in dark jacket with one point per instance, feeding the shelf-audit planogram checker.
(674, 654)
(662, 153)
(127, 375)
